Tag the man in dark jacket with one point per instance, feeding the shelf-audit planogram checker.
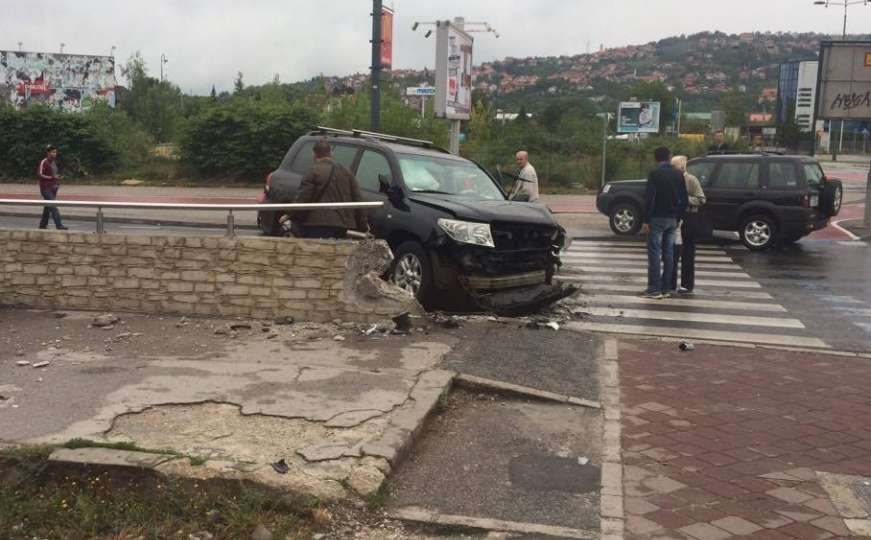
(329, 182)
(719, 146)
(666, 203)
(48, 185)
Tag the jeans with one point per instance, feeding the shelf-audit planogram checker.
(660, 254)
(49, 193)
(685, 255)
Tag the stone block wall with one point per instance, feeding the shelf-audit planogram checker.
(254, 277)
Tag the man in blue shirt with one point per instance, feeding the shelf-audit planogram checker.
(666, 203)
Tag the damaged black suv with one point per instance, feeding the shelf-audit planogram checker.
(458, 241)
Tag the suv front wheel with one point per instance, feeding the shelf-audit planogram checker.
(625, 219)
(758, 232)
(412, 270)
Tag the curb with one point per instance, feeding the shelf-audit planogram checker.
(473, 382)
(421, 515)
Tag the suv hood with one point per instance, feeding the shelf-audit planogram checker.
(486, 211)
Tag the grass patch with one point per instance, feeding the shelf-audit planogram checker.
(76, 503)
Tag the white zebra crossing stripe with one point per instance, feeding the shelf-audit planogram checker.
(595, 255)
(683, 301)
(640, 245)
(624, 270)
(685, 316)
(589, 288)
(689, 333)
(629, 251)
(699, 282)
(643, 264)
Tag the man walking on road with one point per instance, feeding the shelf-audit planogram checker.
(666, 201)
(48, 186)
(329, 182)
(527, 179)
(719, 146)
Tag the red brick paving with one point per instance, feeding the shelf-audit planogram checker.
(734, 437)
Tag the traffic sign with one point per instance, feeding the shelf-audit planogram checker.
(420, 91)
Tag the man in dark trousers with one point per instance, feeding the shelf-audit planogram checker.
(329, 182)
(666, 202)
(49, 182)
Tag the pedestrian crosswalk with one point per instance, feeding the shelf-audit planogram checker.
(728, 304)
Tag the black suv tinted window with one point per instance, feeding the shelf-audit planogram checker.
(738, 175)
(344, 155)
(371, 165)
(782, 174)
(703, 170)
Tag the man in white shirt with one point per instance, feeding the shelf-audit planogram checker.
(527, 183)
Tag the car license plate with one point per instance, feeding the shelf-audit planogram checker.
(815, 201)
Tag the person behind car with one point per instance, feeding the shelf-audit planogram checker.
(666, 200)
(527, 179)
(690, 229)
(328, 182)
(719, 146)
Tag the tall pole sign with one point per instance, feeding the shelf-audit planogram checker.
(375, 109)
(453, 99)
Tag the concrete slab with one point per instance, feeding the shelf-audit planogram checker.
(339, 413)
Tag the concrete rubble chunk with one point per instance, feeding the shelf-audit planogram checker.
(104, 320)
(364, 287)
(44, 363)
(109, 457)
(366, 479)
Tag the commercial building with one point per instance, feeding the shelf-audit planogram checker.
(796, 93)
(70, 82)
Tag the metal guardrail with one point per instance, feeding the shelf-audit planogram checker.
(231, 224)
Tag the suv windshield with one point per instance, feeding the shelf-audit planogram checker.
(449, 176)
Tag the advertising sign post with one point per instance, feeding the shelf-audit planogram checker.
(844, 89)
(453, 98)
(638, 117)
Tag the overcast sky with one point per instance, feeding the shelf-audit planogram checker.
(208, 41)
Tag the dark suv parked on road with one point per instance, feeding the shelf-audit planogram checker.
(765, 198)
(452, 230)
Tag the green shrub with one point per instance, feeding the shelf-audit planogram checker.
(243, 138)
(83, 148)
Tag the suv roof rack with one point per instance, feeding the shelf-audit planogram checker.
(747, 153)
(371, 135)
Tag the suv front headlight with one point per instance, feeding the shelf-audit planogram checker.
(468, 232)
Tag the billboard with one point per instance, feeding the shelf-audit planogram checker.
(386, 38)
(453, 72)
(844, 80)
(70, 82)
(638, 117)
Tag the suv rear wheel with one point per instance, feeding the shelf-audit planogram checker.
(412, 270)
(833, 194)
(625, 219)
(758, 231)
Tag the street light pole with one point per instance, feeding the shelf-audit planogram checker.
(605, 118)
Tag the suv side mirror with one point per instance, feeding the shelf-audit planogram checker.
(383, 183)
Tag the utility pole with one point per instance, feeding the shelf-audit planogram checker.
(163, 60)
(375, 109)
(606, 117)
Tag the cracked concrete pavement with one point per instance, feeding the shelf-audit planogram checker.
(339, 413)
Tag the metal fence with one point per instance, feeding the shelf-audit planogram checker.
(230, 208)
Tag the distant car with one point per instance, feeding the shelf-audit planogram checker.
(765, 198)
(448, 222)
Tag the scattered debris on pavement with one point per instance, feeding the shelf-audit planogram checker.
(280, 466)
(105, 320)
(685, 346)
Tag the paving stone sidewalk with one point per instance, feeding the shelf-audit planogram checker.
(721, 441)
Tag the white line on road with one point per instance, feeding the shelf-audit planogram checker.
(686, 316)
(688, 333)
(642, 263)
(624, 270)
(700, 282)
(688, 301)
(593, 288)
(635, 245)
(583, 255)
